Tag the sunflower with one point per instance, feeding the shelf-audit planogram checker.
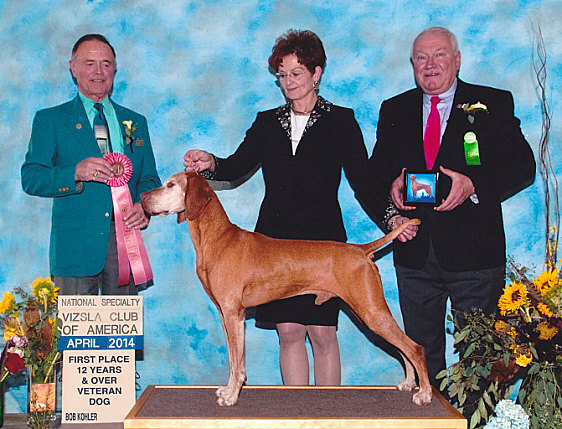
(543, 308)
(547, 331)
(545, 281)
(514, 297)
(7, 303)
(44, 290)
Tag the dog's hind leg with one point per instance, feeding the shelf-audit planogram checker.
(383, 324)
(233, 324)
(369, 305)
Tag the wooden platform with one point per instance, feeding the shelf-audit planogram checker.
(283, 407)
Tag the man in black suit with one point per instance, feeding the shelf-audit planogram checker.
(482, 158)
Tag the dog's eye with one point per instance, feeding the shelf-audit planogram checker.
(169, 184)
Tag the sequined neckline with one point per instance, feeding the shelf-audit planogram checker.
(284, 114)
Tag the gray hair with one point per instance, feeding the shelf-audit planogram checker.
(440, 30)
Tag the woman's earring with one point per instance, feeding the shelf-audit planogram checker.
(316, 85)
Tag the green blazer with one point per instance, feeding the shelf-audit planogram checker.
(62, 137)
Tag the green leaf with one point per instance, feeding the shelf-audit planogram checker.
(488, 400)
(482, 409)
(453, 389)
(475, 419)
(441, 373)
(443, 384)
(469, 350)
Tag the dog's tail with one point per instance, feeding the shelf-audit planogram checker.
(371, 248)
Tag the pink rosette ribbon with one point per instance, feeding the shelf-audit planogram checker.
(130, 245)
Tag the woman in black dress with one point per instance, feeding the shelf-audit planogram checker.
(302, 148)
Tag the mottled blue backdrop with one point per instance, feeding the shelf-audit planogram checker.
(198, 71)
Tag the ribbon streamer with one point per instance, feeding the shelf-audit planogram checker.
(471, 151)
(131, 250)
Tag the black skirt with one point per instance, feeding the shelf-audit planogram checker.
(299, 309)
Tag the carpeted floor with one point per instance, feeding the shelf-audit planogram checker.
(280, 402)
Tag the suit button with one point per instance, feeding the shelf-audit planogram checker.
(107, 215)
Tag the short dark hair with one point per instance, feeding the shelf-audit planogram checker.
(87, 37)
(306, 45)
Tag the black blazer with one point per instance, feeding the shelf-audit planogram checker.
(471, 236)
(301, 190)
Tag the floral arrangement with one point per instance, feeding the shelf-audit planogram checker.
(30, 331)
(508, 415)
(523, 342)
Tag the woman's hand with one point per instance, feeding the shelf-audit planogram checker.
(409, 233)
(198, 160)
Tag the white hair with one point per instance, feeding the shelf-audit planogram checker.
(440, 30)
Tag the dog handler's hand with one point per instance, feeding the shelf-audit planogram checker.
(396, 192)
(409, 233)
(461, 189)
(93, 170)
(136, 218)
(198, 160)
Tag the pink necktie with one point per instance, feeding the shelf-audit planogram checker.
(432, 137)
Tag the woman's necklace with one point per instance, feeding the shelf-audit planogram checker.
(296, 112)
(304, 112)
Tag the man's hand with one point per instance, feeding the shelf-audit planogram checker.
(93, 170)
(396, 190)
(136, 218)
(461, 189)
(198, 160)
(409, 233)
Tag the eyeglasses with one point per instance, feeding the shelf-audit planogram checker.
(296, 75)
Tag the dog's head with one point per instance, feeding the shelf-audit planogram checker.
(186, 194)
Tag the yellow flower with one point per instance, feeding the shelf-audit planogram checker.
(12, 328)
(44, 290)
(515, 295)
(524, 357)
(543, 308)
(545, 281)
(512, 332)
(128, 124)
(7, 302)
(477, 106)
(547, 331)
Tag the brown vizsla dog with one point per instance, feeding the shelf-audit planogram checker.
(241, 269)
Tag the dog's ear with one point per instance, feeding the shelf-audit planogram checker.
(198, 194)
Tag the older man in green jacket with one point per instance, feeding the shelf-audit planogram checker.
(65, 161)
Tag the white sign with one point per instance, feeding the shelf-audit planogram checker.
(97, 386)
(99, 335)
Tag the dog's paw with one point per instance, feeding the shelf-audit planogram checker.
(422, 397)
(406, 385)
(227, 396)
(225, 401)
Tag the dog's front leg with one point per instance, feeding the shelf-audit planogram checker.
(233, 324)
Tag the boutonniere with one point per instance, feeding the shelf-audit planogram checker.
(130, 129)
(471, 109)
(129, 138)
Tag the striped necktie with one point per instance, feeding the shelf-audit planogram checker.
(101, 130)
